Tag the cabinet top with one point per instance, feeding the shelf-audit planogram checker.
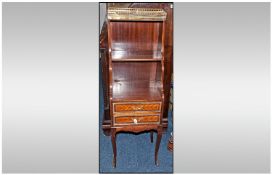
(136, 14)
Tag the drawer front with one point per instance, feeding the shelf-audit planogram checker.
(135, 120)
(129, 107)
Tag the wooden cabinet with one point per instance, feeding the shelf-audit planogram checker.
(134, 79)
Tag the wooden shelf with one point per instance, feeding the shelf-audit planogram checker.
(134, 60)
(136, 56)
(136, 91)
(136, 81)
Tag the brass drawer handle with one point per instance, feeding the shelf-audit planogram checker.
(135, 121)
(137, 107)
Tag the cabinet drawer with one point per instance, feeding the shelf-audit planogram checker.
(126, 120)
(126, 107)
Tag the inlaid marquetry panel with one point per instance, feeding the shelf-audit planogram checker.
(136, 120)
(125, 107)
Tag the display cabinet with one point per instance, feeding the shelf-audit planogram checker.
(133, 68)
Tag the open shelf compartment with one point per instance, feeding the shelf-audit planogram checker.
(136, 81)
(136, 41)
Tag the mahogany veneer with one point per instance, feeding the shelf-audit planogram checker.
(134, 74)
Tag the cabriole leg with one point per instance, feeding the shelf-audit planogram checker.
(113, 141)
(151, 136)
(158, 145)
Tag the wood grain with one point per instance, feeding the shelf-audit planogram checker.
(137, 67)
(137, 107)
(139, 119)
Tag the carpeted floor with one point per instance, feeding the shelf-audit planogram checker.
(135, 152)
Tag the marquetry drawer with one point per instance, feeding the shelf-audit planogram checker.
(137, 106)
(132, 120)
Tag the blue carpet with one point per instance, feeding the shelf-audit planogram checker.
(135, 152)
